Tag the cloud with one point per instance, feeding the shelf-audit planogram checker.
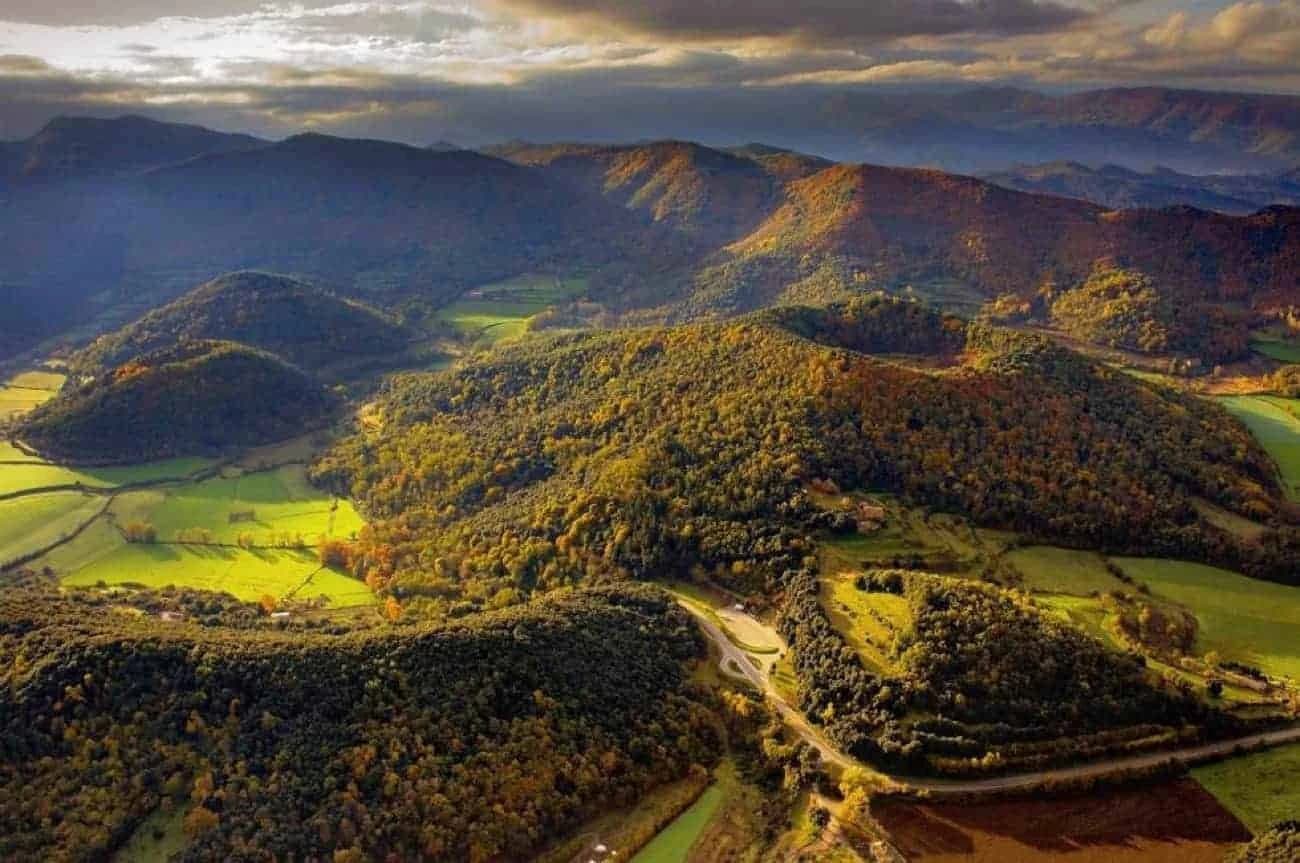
(126, 12)
(836, 20)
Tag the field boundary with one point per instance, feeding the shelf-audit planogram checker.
(16, 562)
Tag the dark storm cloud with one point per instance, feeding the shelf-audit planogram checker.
(812, 19)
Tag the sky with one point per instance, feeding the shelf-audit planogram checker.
(483, 70)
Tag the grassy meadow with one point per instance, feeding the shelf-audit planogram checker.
(35, 474)
(870, 622)
(1048, 569)
(501, 311)
(29, 524)
(27, 390)
(1260, 788)
(1275, 422)
(1242, 619)
(1273, 345)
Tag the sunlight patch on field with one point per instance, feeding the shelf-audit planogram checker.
(27, 390)
(673, 843)
(29, 524)
(870, 622)
(1049, 569)
(501, 311)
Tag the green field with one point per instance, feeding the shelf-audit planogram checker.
(1273, 420)
(1048, 569)
(1260, 789)
(1275, 347)
(501, 311)
(26, 390)
(248, 575)
(673, 843)
(279, 500)
(39, 474)
(1242, 619)
(29, 524)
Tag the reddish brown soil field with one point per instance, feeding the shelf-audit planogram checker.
(1175, 821)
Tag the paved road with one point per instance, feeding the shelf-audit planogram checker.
(732, 655)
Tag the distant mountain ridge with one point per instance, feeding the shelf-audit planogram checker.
(1120, 188)
(81, 147)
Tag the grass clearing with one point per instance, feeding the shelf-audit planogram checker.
(1275, 422)
(673, 843)
(501, 311)
(1049, 569)
(1273, 345)
(160, 836)
(1242, 619)
(29, 524)
(870, 622)
(1259, 788)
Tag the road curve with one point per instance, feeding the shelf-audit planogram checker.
(732, 655)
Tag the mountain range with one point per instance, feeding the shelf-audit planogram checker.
(670, 229)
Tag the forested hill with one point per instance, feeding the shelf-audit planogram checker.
(477, 741)
(199, 397)
(648, 452)
(278, 314)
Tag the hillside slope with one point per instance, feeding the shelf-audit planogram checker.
(475, 741)
(278, 314)
(194, 398)
(649, 452)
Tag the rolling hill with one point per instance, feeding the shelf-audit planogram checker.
(281, 315)
(653, 451)
(194, 398)
(500, 732)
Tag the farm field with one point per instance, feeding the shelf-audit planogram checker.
(673, 843)
(1048, 569)
(501, 311)
(247, 575)
(29, 524)
(1275, 422)
(27, 390)
(279, 501)
(1242, 619)
(1260, 788)
(1177, 821)
(40, 474)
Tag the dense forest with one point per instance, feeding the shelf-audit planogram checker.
(283, 316)
(475, 741)
(651, 452)
(195, 398)
(985, 682)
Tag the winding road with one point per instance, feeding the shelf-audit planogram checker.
(736, 663)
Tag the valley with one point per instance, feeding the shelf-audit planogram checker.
(658, 502)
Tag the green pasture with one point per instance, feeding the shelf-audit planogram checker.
(1260, 788)
(1241, 619)
(501, 311)
(248, 575)
(28, 524)
(39, 474)
(1275, 422)
(673, 843)
(26, 390)
(1048, 569)
(273, 501)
